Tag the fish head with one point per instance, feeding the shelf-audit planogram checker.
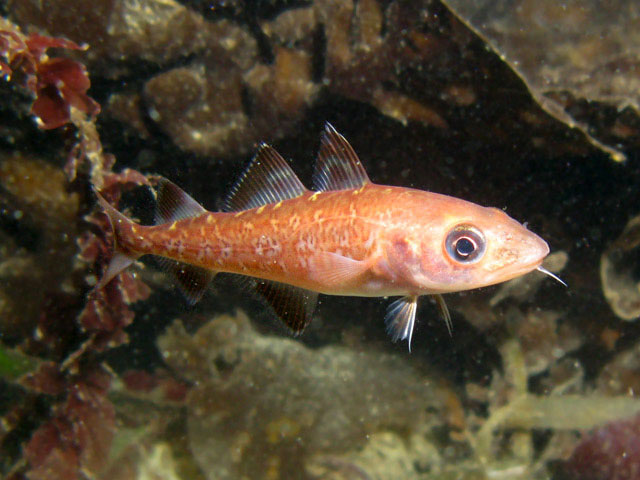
(469, 247)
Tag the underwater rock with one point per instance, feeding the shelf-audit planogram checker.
(203, 108)
(263, 406)
(611, 452)
(385, 456)
(246, 82)
(151, 30)
(619, 272)
(38, 219)
(621, 376)
(569, 53)
(544, 337)
(143, 462)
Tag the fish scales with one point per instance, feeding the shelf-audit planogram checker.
(276, 243)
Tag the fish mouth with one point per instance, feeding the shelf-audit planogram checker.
(524, 269)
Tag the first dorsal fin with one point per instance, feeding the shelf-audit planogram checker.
(267, 179)
(173, 203)
(337, 166)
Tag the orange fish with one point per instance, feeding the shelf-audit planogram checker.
(348, 236)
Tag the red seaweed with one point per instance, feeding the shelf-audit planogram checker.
(78, 436)
(72, 437)
(57, 83)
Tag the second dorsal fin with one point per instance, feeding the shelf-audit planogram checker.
(267, 179)
(337, 166)
(173, 203)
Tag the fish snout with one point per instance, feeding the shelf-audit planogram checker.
(537, 249)
(519, 251)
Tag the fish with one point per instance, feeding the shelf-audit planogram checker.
(347, 236)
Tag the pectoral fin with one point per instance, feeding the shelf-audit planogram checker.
(334, 270)
(401, 317)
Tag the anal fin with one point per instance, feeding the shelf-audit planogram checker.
(293, 305)
(191, 280)
(401, 318)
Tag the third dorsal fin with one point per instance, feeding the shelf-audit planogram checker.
(337, 166)
(173, 203)
(268, 179)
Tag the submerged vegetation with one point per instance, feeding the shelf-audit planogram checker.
(126, 382)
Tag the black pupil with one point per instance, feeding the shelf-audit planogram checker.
(465, 247)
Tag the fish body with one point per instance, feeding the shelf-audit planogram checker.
(347, 237)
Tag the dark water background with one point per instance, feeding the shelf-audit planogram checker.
(534, 374)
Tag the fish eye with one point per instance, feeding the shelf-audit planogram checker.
(465, 244)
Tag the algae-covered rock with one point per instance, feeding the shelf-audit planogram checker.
(567, 51)
(263, 406)
(619, 272)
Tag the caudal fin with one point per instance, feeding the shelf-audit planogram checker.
(120, 259)
(173, 205)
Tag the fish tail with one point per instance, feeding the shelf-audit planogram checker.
(121, 259)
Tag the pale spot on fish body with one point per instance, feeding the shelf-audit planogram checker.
(369, 242)
(344, 239)
(294, 222)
